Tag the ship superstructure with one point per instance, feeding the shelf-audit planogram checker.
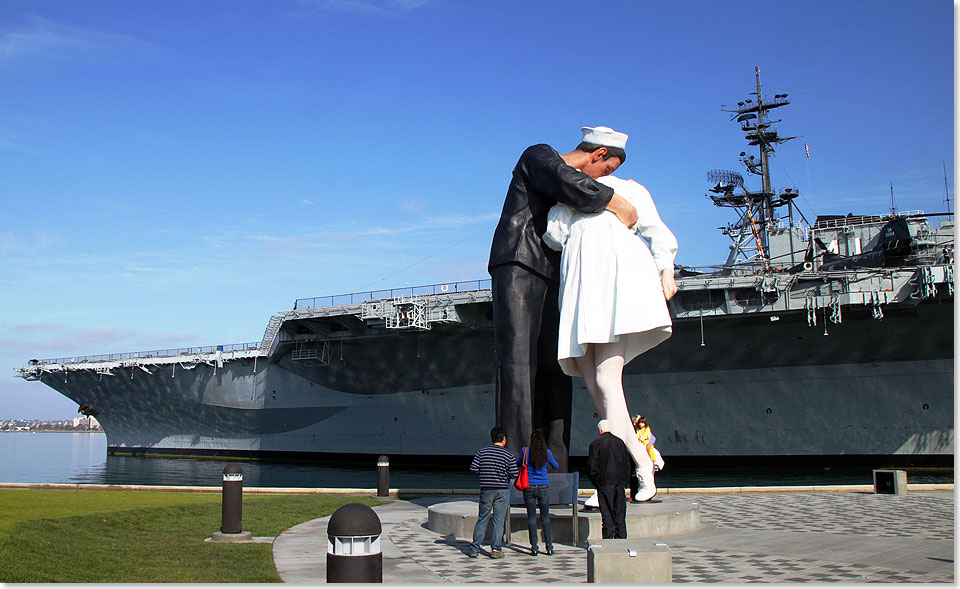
(830, 339)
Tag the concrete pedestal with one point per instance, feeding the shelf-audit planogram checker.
(890, 482)
(639, 560)
(644, 520)
(238, 537)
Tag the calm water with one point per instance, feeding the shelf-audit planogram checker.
(82, 458)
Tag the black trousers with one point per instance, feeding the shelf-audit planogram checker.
(532, 390)
(613, 511)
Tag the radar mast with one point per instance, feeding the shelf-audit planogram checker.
(757, 209)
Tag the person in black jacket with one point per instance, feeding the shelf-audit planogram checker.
(532, 390)
(609, 466)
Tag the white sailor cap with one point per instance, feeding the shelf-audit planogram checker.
(604, 136)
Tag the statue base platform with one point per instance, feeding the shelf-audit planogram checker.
(653, 519)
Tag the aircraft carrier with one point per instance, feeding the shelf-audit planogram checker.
(828, 341)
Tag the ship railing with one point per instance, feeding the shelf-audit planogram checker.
(357, 298)
(846, 222)
(861, 220)
(784, 223)
(912, 213)
(154, 353)
(740, 269)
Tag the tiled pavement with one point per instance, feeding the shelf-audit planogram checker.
(748, 537)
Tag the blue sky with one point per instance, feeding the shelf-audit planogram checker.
(173, 173)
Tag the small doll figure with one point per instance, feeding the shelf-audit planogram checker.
(647, 438)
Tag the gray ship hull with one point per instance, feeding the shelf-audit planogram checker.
(832, 340)
(756, 388)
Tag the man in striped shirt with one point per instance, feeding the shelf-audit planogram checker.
(497, 468)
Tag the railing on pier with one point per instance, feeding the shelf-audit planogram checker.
(393, 293)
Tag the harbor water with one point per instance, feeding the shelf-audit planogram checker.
(82, 458)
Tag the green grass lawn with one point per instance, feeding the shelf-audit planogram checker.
(143, 536)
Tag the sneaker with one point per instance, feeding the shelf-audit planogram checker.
(496, 554)
(473, 555)
(549, 551)
(534, 551)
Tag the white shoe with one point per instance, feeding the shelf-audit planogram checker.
(592, 501)
(658, 464)
(647, 487)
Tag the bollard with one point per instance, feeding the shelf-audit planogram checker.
(353, 545)
(231, 521)
(383, 476)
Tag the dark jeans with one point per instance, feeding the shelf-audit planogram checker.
(533, 496)
(493, 502)
(532, 390)
(613, 511)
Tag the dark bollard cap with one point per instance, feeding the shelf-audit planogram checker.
(232, 469)
(354, 519)
(383, 461)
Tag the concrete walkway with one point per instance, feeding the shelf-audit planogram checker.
(300, 553)
(852, 536)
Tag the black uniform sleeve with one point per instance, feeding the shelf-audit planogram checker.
(549, 174)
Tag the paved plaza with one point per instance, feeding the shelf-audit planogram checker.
(747, 537)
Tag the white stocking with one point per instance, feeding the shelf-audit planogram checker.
(602, 370)
(588, 368)
(609, 370)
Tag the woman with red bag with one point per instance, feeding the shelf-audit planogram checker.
(536, 457)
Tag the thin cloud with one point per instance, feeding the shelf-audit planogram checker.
(58, 339)
(47, 338)
(458, 220)
(10, 142)
(414, 205)
(363, 7)
(36, 327)
(45, 39)
(15, 243)
(350, 231)
(434, 224)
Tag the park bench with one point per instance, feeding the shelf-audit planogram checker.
(564, 488)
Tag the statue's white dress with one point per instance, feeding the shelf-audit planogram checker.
(609, 280)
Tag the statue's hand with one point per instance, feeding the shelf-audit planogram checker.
(668, 283)
(624, 211)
